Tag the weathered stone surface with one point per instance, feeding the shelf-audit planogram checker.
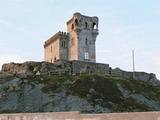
(72, 67)
(89, 67)
(75, 85)
(78, 116)
(146, 77)
(59, 67)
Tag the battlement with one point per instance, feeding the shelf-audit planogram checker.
(59, 34)
(82, 21)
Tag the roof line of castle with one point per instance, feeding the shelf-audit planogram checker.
(54, 37)
(80, 15)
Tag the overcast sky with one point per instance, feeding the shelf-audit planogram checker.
(124, 25)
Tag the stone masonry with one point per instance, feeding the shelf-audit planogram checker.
(59, 67)
(78, 116)
(77, 44)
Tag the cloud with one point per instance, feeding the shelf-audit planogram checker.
(10, 58)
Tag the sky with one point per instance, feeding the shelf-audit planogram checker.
(124, 25)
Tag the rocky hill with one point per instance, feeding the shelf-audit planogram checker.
(38, 87)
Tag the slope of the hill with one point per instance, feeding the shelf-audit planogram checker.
(88, 93)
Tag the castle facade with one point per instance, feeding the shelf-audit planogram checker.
(78, 43)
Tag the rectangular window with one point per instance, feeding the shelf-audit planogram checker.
(86, 55)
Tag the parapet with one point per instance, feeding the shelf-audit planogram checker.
(59, 34)
(83, 21)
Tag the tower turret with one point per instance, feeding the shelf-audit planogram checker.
(83, 31)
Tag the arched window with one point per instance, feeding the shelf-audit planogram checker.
(86, 42)
(86, 25)
(63, 44)
(94, 26)
(72, 26)
(76, 22)
(55, 59)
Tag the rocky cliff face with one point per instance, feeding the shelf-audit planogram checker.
(38, 87)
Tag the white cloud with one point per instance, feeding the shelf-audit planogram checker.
(10, 58)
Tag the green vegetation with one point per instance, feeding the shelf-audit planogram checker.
(114, 93)
(102, 90)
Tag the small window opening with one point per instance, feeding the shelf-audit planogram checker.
(63, 44)
(76, 22)
(86, 42)
(72, 26)
(110, 70)
(86, 55)
(86, 25)
(94, 26)
(55, 59)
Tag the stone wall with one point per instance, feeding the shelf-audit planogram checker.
(52, 51)
(89, 67)
(59, 67)
(78, 116)
(122, 116)
(74, 67)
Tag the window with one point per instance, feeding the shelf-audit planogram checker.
(86, 25)
(55, 59)
(63, 44)
(76, 22)
(94, 26)
(86, 42)
(72, 27)
(86, 55)
(110, 70)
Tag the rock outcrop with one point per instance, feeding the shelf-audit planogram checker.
(73, 67)
(45, 87)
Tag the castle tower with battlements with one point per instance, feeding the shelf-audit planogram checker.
(77, 44)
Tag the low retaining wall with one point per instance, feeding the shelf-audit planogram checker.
(89, 67)
(78, 116)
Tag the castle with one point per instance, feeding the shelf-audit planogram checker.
(77, 44)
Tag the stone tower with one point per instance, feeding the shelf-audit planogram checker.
(77, 44)
(83, 31)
